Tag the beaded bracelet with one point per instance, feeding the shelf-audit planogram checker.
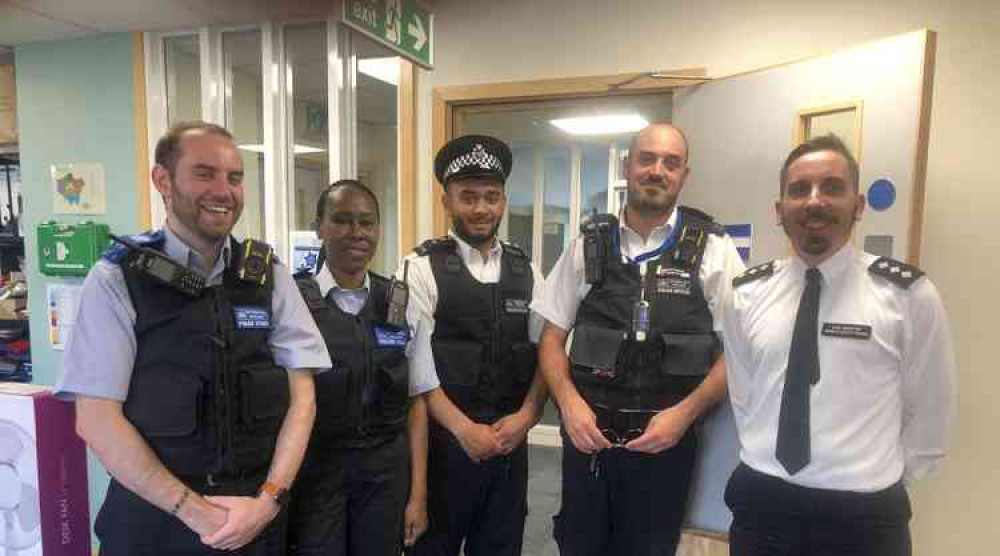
(180, 503)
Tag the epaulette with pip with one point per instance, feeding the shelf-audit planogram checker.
(443, 243)
(117, 252)
(754, 273)
(899, 273)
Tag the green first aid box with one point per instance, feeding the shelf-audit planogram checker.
(70, 249)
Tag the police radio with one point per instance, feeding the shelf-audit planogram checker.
(597, 232)
(162, 268)
(399, 298)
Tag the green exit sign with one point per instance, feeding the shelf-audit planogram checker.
(403, 25)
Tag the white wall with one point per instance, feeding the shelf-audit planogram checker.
(479, 41)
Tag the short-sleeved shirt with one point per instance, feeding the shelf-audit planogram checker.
(566, 286)
(422, 377)
(101, 351)
(886, 394)
(424, 291)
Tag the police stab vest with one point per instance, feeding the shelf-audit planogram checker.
(609, 366)
(364, 398)
(205, 392)
(484, 358)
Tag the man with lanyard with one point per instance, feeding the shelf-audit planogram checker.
(643, 298)
(841, 376)
(191, 366)
(356, 483)
(475, 291)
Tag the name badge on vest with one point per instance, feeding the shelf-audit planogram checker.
(252, 318)
(673, 281)
(852, 331)
(391, 337)
(516, 306)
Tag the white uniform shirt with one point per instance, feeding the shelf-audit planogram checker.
(567, 286)
(882, 405)
(418, 350)
(424, 292)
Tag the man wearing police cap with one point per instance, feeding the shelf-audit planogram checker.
(475, 291)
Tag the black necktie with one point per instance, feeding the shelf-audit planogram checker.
(792, 447)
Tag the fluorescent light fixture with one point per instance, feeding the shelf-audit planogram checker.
(383, 69)
(601, 125)
(299, 149)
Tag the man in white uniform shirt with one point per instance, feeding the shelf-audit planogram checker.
(841, 376)
(475, 290)
(643, 298)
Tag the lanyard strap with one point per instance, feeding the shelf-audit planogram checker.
(656, 253)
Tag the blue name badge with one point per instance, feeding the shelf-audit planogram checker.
(252, 318)
(391, 337)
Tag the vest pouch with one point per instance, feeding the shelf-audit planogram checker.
(688, 355)
(524, 358)
(165, 404)
(458, 363)
(265, 397)
(394, 392)
(594, 354)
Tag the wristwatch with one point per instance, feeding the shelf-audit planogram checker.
(278, 494)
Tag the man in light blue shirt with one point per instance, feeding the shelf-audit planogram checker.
(198, 400)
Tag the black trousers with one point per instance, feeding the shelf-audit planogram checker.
(350, 501)
(772, 517)
(129, 526)
(623, 503)
(483, 504)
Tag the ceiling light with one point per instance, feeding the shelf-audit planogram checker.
(383, 69)
(299, 149)
(601, 125)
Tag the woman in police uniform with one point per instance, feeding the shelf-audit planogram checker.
(362, 488)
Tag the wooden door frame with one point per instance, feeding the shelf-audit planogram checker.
(445, 101)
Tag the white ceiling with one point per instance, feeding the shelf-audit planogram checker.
(24, 21)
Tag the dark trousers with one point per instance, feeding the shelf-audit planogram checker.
(483, 504)
(350, 501)
(772, 517)
(129, 526)
(621, 502)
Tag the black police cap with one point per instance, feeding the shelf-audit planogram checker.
(473, 156)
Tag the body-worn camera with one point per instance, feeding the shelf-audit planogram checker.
(399, 297)
(598, 236)
(255, 262)
(162, 268)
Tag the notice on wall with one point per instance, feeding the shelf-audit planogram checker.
(78, 189)
(8, 106)
(62, 301)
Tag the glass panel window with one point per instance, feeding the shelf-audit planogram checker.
(594, 179)
(241, 52)
(308, 119)
(182, 68)
(376, 94)
(521, 198)
(555, 227)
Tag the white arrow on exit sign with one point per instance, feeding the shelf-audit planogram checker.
(416, 30)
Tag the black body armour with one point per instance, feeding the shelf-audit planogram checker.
(610, 367)
(482, 352)
(205, 392)
(364, 399)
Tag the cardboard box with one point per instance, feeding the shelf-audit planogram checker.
(8, 105)
(43, 475)
(11, 308)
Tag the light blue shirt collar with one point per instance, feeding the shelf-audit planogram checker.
(176, 249)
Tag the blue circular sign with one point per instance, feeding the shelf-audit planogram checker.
(881, 195)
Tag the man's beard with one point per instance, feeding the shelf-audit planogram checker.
(475, 240)
(645, 205)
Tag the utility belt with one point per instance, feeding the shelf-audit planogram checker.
(354, 440)
(243, 483)
(621, 426)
